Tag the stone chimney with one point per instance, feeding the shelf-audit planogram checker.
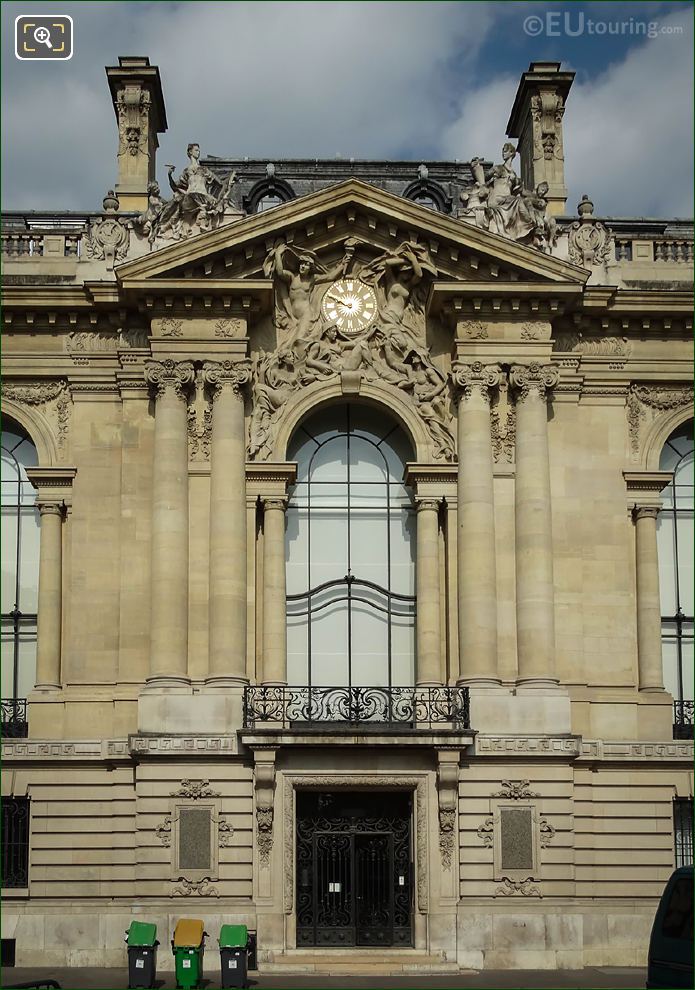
(136, 92)
(536, 122)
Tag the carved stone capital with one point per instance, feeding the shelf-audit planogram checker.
(274, 502)
(227, 374)
(476, 376)
(535, 377)
(427, 505)
(50, 508)
(645, 512)
(177, 375)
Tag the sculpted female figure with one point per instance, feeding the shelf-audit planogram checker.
(428, 391)
(198, 194)
(274, 380)
(397, 274)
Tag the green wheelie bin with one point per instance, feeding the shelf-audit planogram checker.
(142, 954)
(234, 941)
(188, 945)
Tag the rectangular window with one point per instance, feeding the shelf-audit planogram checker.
(15, 842)
(683, 830)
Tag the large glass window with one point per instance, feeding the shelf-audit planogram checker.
(675, 536)
(20, 566)
(350, 553)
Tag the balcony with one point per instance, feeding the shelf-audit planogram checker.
(683, 719)
(363, 708)
(14, 723)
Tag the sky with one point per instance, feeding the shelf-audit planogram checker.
(412, 80)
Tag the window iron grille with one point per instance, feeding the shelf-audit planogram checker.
(14, 723)
(683, 830)
(683, 719)
(15, 842)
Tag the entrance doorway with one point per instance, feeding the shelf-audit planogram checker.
(354, 868)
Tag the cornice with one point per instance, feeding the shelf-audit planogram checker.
(334, 199)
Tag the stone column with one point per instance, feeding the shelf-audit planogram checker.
(477, 571)
(651, 675)
(169, 608)
(274, 592)
(227, 522)
(535, 604)
(429, 673)
(50, 595)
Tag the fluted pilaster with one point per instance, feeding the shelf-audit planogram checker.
(274, 592)
(227, 521)
(169, 619)
(476, 553)
(50, 599)
(429, 671)
(651, 673)
(535, 605)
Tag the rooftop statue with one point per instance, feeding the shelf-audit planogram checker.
(198, 204)
(499, 202)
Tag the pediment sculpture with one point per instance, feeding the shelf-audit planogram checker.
(356, 318)
(199, 201)
(498, 201)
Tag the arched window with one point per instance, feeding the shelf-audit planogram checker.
(428, 193)
(350, 553)
(268, 193)
(675, 536)
(20, 572)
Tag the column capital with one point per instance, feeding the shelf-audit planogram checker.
(466, 377)
(50, 508)
(533, 377)
(645, 511)
(274, 502)
(221, 374)
(162, 375)
(427, 504)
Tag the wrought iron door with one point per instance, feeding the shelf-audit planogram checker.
(354, 869)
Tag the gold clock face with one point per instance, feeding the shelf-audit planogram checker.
(350, 305)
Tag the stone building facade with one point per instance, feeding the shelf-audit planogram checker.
(343, 496)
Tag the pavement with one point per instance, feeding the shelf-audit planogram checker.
(547, 979)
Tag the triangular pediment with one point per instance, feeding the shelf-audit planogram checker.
(353, 209)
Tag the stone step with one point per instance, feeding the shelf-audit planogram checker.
(356, 962)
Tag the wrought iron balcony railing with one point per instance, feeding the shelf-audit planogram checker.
(14, 723)
(400, 707)
(683, 719)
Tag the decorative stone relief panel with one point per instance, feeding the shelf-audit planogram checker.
(503, 424)
(368, 325)
(516, 833)
(199, 416)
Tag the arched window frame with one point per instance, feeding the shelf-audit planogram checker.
(432, 190)
(19, 624)
(675, 550)
(353, 588)
(268, 187)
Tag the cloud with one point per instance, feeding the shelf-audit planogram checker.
(256, 79)
(362, 79)
(628, 132)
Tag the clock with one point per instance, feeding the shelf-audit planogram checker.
(350, 305)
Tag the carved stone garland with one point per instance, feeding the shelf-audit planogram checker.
(201, 888)
(195, 789)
